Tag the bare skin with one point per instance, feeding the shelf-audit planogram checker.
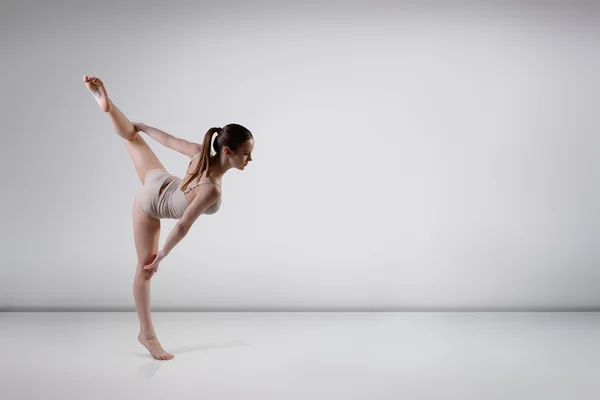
(146, 229)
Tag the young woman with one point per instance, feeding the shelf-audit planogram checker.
(167, 196)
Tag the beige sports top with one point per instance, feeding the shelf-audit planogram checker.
(176, 200)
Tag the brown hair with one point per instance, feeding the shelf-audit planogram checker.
(231, 135)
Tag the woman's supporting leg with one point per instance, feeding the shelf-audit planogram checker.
(146, 231)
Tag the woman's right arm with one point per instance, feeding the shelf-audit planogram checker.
(206, 197)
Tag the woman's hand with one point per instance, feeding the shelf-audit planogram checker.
(153, 267)
(139, 126)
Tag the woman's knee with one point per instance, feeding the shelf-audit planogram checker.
(145, 260)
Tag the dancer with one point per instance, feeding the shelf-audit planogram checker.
(164, 195)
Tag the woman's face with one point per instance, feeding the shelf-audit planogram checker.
(243, 155)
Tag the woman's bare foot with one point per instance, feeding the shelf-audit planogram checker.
(96, 86)
(154, 347)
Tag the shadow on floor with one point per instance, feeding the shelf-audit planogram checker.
(148, 370)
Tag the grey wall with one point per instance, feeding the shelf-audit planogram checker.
(439, 155)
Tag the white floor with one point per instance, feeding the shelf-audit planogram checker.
(303, 356)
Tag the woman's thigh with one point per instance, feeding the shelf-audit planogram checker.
(146, 232)
(142, 156)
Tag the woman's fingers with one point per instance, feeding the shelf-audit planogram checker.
(150, 266)
(152, 269)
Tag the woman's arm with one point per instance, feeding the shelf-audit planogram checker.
(205, 198)
(201, 202)
(177, 233)
(180, 145)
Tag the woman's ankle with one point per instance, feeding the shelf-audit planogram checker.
(147, 335)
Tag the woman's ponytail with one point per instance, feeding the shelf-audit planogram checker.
(205, 155)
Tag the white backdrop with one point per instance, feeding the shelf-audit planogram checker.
(408, 156)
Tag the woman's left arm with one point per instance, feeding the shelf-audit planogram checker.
(166, 139)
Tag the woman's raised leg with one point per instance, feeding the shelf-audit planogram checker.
(122, 125)
(141, 154)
